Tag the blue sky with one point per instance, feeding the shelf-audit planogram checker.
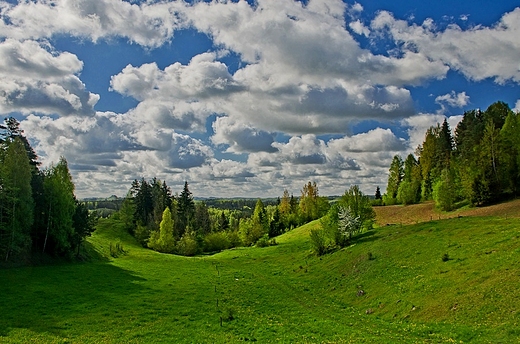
(248, 98)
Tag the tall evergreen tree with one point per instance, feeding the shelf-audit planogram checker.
(186, 209)
(16, 203)
(510, 158)
(11, 130)
(445, 145)
(378, 193)
(84, 223)
(202, 221)
(395, 176)
(409, 191)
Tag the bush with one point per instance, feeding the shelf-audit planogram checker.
(116, 249)
(187, 245)
(377, 202)
(318, 241)
(387, 200)
(234, 239)
(444, 191)
(264, 241)
(216, 242)
(330, 225)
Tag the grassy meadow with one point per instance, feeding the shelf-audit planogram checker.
(448, 280)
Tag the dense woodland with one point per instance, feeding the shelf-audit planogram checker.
(478, 165)
(178, 224)
(39, 213)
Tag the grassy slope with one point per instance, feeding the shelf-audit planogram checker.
(398, 214)
(281, 293)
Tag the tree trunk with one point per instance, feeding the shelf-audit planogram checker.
(12, 234)
(48, 225)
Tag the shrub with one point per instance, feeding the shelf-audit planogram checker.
(264, 241)
(187, 245)
(234, 239)
(318, 241)
(216, 242)
(348, 224)
(444, 191)
(116, 249)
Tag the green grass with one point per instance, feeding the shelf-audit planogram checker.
(280, 293)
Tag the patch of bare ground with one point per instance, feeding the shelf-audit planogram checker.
(410, 214)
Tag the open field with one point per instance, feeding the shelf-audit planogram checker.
(391, 286)
(412, 214)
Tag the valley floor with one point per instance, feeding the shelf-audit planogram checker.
(452, 280)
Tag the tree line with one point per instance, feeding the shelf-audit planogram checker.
(478, 165)
(39, 213)
(170, 223)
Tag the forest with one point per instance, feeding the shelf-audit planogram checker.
(39, 213)
(178, 224)
(477, 165)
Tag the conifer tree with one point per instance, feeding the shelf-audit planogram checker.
(186, 209)
(395, 176)
(16, 203)
(162, 240)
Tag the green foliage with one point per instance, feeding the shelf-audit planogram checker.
(265, 241)
(126, 213)
(407, 193)
(16, 202)
(84, 223)
(142, 234)
(318, 241)
(216, 242)
(347, 217)
(185, 210)
(163, 240)
(444, 191)
(312, 206)
(378, 195)
(59, 191)
(359, 206)
(187, 245)
(116, 249)
(348, 223)
(395, 176)
(483, 160)
(257, 226)
(330, 225)
(387, 200)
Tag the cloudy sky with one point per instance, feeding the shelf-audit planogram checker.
(247, 98)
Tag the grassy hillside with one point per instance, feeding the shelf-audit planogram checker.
(412, 214)
(438, 281)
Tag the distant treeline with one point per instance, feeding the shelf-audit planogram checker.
(39, 213)
(179, 224)
(478, 165)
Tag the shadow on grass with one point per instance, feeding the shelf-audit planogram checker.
(367, 236)
(47, 299)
